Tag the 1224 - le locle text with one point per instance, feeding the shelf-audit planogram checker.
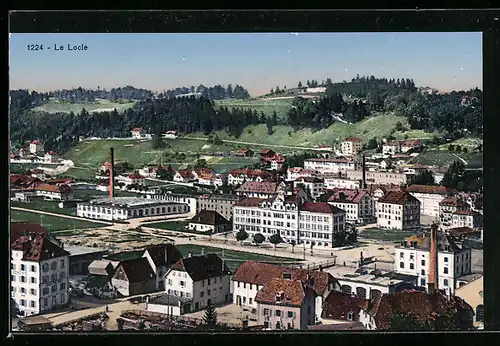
(59, 47)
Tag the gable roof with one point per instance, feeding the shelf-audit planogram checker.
(62, 188)
(158, 252)
(209, 217)
(348, 196)
(397, 197)
(266, 152)
(453, 201)
(259, 187)
(291, 292)
(353, 139)
(259, 273)
(250, 202)
(320, 207)
(40, 248)
(383, 187)
(201, 267)
(431, 189)
(338, 305)
(137, 270)
(19, 229)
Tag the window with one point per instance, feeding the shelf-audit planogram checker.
(401, 265)
(445, 270)
(278, 313)
(290, 314)
(188, 295)
(33, 269)
(23, 290)
(423, 262)
(62, 286)
(208, 293)
(53, 266)
(215, 280)
(266, 312)
(350, 316)
(23, 278)
(23, 302)
(45, 267)
(62, 263)
(45, 291)
(445, 282)
(208, 282)
(244, 285)
(203, 283)
(422, 272)
(45, 301)
(446, 260)
(412, 266)
(32, 303)
(250, 301)
(202, 294)
(63, 298)
(244, 300)
(23, 267)
(53, 288)
(183, 283)
(13, 278)
(33, 291)
(422, 282)
(170, 281)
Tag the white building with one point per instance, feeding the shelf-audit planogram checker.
(351, 146)
(333, 181)
(209, 221)
(239, 176)
(413, 255)
(35, 147)
(50, 157)
(60, 192)
(315, 186)
(161, 258)
(39, 275)
(183, 176)
(429, 197)
(316, 90)
(357, 204)
(398, 210)
(138, 133)
(250, 277)
(295, 173)
(263, 189)
(124, 208)
(132, 179)
(380, 178)
(170, 135)
(202, 279)
(467, 218)
(309, 223)
(448, 206)
(391, 148)
(191, 201)
(330, 165)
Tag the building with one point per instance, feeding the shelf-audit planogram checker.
(340, 306)
(19, 229)
(357, 204)
(448, 206)
(138, 133)
(425, 308)
(266, 153)
(39, 275)
(473, 294)
(220, 179)
(221, 203)
(379, 178)
(413, 257)
(240, 176)
(295, 173)
(161, 258)
(50, 157)
(398, 210)
(245, 152)
(262, 189)
(168, 304)
(133, 277)
(385, 164)
(277, 162)
(124, 208)
(314, 186)
(351, 146)
(35, 147)
(80, 257)
(391, 147)
(365, 283)
(467, 218)
(191, 201)
(410, 144)
(330, 165)
(104, 268)
(316, 90)
(132, 179)
(283, 303)
(309, 223)
(462, 233)
(209, 221)
(429, 197)
(377, 191)
(251, 277)
(60, 192)
(334, 182)
(202, 279)
(199, 172)
(170, 135)
(207, 179)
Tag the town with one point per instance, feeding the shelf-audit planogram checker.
(143, 200)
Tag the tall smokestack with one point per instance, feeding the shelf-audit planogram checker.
(433, 260)
(111, 171)
(363, 167)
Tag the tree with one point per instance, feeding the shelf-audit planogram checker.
(406, 322)
(399, 126)
(299, 85)
(157, 141)
(372, 144)
(258, 239)
(241, 236)
(454, 174)
(424, 178)
(201, 163)
(210, 317)
(269, 125)
(275, 239)
(451, 147)
(274, 118)
(293, 243)
(217, 140)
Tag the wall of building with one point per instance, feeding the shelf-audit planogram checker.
(244, 294)
(429, 203)
(357, 287)
(397, 216)
(164, 309)
(124, 213)
(383, 178)
(267, 314)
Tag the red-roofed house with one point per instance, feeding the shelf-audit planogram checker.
(245, 152)
(239, 176)
(50, 157)
(137, 132)
(448, 206)
(358, 205)
(132, 179)
(398, 210)
(277, 161)
(467, 218)
(429, 197)
(391, 147)
(351, 146)
(36, 146)
(410, 144)
(61, 192)
(266, 153)
(183, 176)
(197, 172)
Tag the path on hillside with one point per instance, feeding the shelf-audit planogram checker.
(461, 159)
(63, 216)
(259, 144)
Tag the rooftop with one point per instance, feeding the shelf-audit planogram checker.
(384, 279)
(129, 201)
(81, 250)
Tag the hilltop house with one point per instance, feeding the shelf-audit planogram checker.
(35, 147)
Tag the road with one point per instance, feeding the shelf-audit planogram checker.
(259, 144)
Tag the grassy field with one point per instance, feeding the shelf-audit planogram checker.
(260, 105)
(54, 106)
(394, 236)
(233, 258)
(442, 158)
(80, 173)
(169, 225)
(87, 194)
(469, 142)
(49, 206)
(376, 126)
(52, 223)
(415, 134)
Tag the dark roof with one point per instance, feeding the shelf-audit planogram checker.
(397, 197)
(338, 305)
(424, 307)
(157, 254)
(38, 249)
(261, 273)
(209, 217)
(202, 267)
(454, 201)
(249, 202)
(321, 207)
(444, 243)
(18, 229)
(97, 281)
(136, 269)
(348, 196)
(463, 231)
(260, 187)
(431, 189)
(290, 292)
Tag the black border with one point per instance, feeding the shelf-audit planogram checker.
(306, 21)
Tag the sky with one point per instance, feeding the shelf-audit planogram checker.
(256, 61)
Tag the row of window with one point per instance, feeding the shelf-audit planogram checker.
(22, 290)
(313, 226)
(45, 267)
(279, 313)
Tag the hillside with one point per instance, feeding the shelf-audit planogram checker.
(376, 126)
(281, 106)
(55, 106)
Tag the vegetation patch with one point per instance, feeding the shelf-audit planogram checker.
(380, 234)
(442, 158)
(52, 223)
(48, 206)
(55, 106)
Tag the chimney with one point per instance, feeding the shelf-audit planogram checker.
(363, 167)
(189, 254)
(433, 255)
(202, 251)
(111, 169)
